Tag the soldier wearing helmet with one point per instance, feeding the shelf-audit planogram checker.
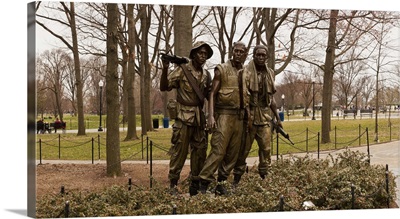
(188, 135)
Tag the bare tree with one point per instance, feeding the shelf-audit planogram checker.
(328, 77)
(112, 91)
(71, 24)
(54, 70)
(96, 66)
(166, 21)
(292, 87)
(367, 91)
(131, 111)
(346, 30)
(381, 60)
(272, 20)
(349, 79)
(144, 70)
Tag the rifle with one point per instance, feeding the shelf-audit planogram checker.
(280, 131)
(174, 59)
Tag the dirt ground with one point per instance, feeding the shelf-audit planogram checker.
(92, 177)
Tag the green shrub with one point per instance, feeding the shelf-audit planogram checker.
(327, 183)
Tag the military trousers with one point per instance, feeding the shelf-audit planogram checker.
(225, 146)
(262, 135)
(187, 139)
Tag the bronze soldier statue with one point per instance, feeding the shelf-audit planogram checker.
(192, 83)
(262, 105)
(227, 102)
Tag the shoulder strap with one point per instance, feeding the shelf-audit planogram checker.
(193, 83)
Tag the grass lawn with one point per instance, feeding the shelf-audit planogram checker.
(304, 133)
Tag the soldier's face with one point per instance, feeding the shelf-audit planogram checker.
(260, 57)
(201, 55)
(239, 53)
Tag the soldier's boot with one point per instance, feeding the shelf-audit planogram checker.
(203, 186)
(220, 189)
(194, 187)
(236, 180)
(172, 187)
(263, 175)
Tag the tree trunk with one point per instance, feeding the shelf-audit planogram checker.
(131, 113)
(78, 78)
(269, 22)
(58, 97)
(124, 99)
(168, 31)
(112, 94)
(328, 79)
(182, 38)
(145, 71)
(183, 30)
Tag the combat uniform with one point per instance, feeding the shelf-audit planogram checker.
(226, 138)
(189, 127)
(262, 89)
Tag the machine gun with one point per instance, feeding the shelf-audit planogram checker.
(174, 59)
(280, 130)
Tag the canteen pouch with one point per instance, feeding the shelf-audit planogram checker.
(171, 106)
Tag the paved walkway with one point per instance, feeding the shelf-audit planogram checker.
(385, 153)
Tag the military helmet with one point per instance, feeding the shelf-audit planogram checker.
(198, 45)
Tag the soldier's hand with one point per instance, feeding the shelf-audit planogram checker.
(211, 123)
(279, 123)
(165, 63)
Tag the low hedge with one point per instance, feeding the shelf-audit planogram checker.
(346, 181)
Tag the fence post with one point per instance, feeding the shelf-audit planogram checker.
(66, 210)
(281, 203)
(369, 158)
(151, 164)
(318, 145)
(174, 209)
(277, 146)
(352, 196)
(147, 149)
(142, 146)
(387, 185)
(59, 146)
(359, 134)
(98, 143)
(92, 150)
(129, 184)
(335, 136)
(307, 139)
(40, 150)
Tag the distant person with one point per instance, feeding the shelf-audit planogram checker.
(40, 126)
(188, 131)
(57, 125)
